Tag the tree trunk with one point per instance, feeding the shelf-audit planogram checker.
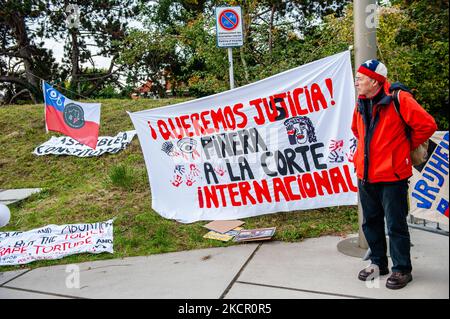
(75, 59)
(17, 24)
(272, 13)
(246, 31)
(244, 65)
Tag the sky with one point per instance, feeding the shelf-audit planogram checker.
(58, 53)
(100, 61)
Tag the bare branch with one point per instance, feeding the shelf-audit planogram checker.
(21, 92)
(13, 79)
(16, 54)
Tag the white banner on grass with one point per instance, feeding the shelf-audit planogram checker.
(281, 144)
(65, 145)
(55, 242)
(428, 191)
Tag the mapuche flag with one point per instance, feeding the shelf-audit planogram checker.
(78, 120)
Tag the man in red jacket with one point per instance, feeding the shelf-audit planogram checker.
(383, 165)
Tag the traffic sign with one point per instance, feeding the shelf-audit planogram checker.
(229, 19)
(229, 27)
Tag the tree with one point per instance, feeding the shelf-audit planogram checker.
(423, 40)
(23, 60)
(412, 39)
(98, 24)
(269, 27)
(149, 55)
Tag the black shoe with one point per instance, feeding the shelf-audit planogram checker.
(368, 271)
(398, 280)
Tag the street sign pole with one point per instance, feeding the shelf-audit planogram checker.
(229, 33)
(230, 67)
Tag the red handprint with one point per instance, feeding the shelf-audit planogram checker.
(178, 180)
(336, 145)
(194, 170)
(190, 180)
(353, 144)
(220, 170)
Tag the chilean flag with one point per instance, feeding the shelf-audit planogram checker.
(80, 121)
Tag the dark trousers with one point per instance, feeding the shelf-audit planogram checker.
(390, 200)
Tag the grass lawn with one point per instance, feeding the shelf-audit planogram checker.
(87, 190)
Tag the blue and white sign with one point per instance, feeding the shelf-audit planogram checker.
(428, 188)
(229, 27)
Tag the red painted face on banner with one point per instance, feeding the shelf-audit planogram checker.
(300, 130)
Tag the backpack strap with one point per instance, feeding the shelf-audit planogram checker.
(397, 104)
(396, 100)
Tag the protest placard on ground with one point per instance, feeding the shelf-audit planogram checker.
(255, 234)
(55, 242)
(65, 145)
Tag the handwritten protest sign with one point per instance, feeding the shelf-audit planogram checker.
(428, 189)
(281, 144)
(65, 145)
(55, 242)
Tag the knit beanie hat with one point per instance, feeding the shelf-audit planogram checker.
(374, 69)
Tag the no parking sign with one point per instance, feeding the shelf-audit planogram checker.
(229, 27)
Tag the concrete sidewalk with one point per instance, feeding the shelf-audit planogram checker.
(312, 269)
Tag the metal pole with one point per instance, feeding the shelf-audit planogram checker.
(365, 27)
(362, 242)
(429, 229)
(230, 62)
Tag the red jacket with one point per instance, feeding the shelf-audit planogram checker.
(383, 151)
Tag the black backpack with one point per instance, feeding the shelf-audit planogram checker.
(420, 154)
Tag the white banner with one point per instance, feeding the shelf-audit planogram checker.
(428, 191)
(281, 144)
(55, 242)
(65, 145)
